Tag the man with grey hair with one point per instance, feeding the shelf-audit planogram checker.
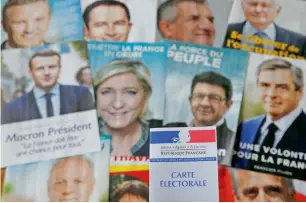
(189, 21)
(71, 180)
(252, 186)
(281, 86)
(26, 23)
(259, 24)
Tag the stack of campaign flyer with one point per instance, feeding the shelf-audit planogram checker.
(80, 178)
(37, 23)
(129, 179)
(129, 80)
(183, 164)
(271, 134)
(46, 113)
(268, 27)
(204, 87)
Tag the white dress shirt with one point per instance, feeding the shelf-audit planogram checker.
(41, 102)
(282, 124)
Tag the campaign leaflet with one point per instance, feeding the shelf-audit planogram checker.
(36, 23)
(271, 136)
(183, 164)
(78, 178)
(208, 28)
(277, 30)
(129, 179)
(120, 20)
(204, 87)
(45, 112)
(236, 181)
(129, 83)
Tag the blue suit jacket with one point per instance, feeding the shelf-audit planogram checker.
(294, 139)
(72, 99)
(282, 35)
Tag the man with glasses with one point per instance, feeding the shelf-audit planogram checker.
(211, 97)
(260, 16)
(48, 98)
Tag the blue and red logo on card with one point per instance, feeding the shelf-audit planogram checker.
(183, 136)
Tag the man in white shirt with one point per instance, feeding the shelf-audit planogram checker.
(48, 98)
(260, 32)
(281, 87)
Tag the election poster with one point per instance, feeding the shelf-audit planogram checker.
(46, 113)
(183, 164)
(268, 27)
(36, 23)
(119, 20)
(271, 134)
(129, 83)
(78, 178)
(204, 87)
(197, 22)
(247, 186)
(129, 179)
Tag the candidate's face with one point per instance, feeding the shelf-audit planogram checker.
(86, 77)
(71, 181)
(194, 24)
(258, 187)
(277, 92)
(120, 100)
(108, 23)
(27, 24)
(208, 104)
(45, 71)
(260, 13)
(132, 198)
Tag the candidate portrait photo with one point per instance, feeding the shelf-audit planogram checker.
(119, 20)
(271, 27)
(273, 116)
(82, 178)
(41, 83)
(201, 22)
(33, 23)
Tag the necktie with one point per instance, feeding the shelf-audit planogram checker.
(270, 137)
(49, 105)
(261, 35)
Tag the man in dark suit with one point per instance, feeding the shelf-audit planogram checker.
(211, 98)
(283, 126)
(48, 97)
(259, 27)
(26, 23)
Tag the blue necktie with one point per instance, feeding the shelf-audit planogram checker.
(261, 35)
(49, 105)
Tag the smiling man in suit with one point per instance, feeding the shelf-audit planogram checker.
(281, 86)
(259, 25)
(210, 99)
(48, 98)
